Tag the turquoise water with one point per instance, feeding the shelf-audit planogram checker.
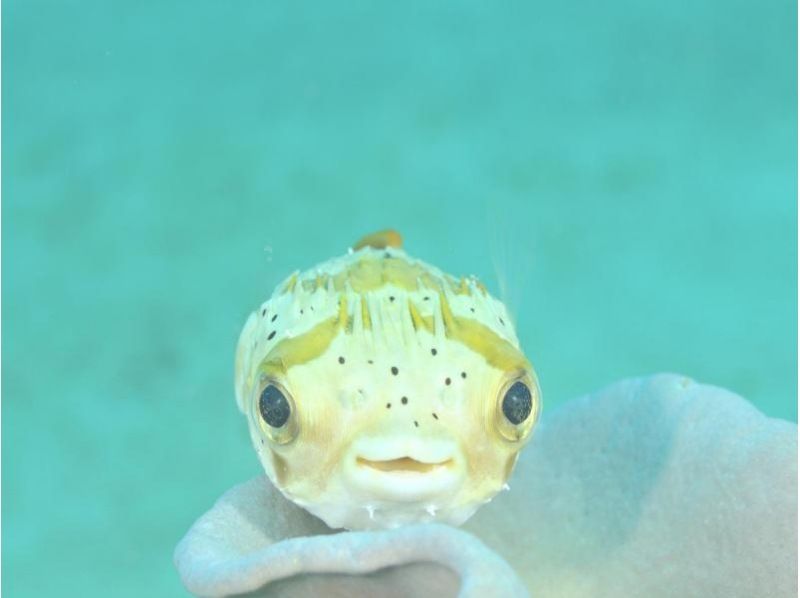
(627, 168)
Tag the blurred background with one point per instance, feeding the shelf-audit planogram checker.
(623, 172)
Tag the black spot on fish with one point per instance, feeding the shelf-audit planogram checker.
(404, 400)
(341, 359)
(394, 371)
(271, 335)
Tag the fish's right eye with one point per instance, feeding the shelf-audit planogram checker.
(517, 407)
(517, 403)
(274, 407)
(277, 413)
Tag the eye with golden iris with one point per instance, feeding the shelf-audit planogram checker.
(274, 407)
(276, 410)
(517, 403)
(517, 409)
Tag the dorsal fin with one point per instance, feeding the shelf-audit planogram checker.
(380, 240)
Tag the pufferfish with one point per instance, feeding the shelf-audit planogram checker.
(380, 391)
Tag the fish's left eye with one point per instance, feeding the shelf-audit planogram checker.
(517, 403)
(517, 408)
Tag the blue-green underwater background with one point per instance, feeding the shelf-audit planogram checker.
(628, 168)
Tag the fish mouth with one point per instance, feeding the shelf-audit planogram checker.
(403, 465)
(405, 472)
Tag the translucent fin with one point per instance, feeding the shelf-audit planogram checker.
(512, 251)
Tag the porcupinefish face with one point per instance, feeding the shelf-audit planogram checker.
(380, 391)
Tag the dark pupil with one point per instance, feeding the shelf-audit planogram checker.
(517, 403)
(274, 407)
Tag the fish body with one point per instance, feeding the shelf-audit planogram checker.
(381, 391)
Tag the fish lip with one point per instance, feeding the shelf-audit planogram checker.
(404, 470)
(379, 449)
(404, 465)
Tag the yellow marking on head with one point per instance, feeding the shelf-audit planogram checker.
(363, 276)
(301, 349)
(370, 273)
(342, 316)
(401, 273)
(418, 320)
(497, 351)
(366, 319)
(290, 284)
(312, 284)
(459, 286)
(380, 240)
(480, 286)
(428, 281)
